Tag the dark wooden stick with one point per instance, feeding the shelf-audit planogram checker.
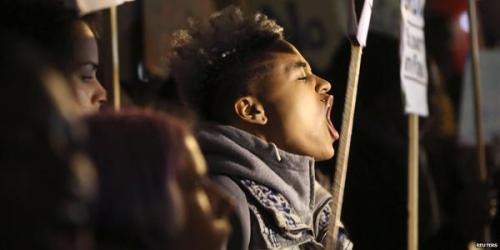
(481, 152)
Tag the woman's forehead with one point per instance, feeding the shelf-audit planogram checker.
(86, 50)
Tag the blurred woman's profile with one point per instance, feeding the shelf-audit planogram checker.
(46, 183)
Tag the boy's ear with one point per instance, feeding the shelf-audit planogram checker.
(249, 109)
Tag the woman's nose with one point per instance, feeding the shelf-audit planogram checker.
(100, 95)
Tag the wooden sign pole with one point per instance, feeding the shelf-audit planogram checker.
(413, 150)
(115, 59)
(358, 33)
(344, 143)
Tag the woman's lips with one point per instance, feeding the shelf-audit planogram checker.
(329, 105)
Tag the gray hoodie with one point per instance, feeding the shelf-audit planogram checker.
(279, 203)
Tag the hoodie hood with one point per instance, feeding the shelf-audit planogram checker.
(240, 155)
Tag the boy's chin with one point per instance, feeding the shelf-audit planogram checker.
(324, 155)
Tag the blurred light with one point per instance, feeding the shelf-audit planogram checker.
(464, 21)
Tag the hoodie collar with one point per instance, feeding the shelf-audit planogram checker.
(236, 153)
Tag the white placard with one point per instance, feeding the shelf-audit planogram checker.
(414, 76)
(364, 22)
(88, 6)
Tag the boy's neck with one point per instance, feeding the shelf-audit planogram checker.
(250, 128)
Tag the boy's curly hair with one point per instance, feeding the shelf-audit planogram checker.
(211, 62)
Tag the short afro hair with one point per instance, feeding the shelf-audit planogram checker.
(211, 61)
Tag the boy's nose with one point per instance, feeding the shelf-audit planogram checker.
(322, 85)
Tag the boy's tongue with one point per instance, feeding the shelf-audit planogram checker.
(333, 132)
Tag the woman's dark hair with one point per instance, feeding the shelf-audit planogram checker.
(48, 24)
(212, 61)
(135, 153)
(38, 187)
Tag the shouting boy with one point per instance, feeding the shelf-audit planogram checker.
(266, 119)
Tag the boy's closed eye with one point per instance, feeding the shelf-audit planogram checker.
(303, 78)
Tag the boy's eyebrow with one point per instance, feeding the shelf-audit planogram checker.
(296, 65)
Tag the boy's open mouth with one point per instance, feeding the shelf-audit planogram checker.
(329, 105)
